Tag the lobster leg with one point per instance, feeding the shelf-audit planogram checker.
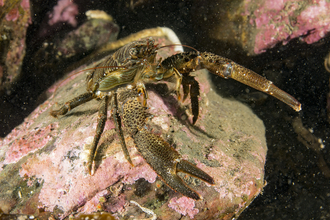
(141, 89)
(117, 121)
(163, 158)
(178, 77)
(102, 118)
(86, 97)
(190, 85)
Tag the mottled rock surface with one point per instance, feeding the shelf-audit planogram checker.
(14, 20)
(259, 25)
(42, 161)
(50, 50)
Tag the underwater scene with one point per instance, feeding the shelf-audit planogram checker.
(148, 109)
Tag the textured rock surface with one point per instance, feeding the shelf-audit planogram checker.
(14, 19)
(42, 161)
(259, 25)
(46, 60)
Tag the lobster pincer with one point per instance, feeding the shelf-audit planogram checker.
(181, 65)
(229, 69)
(162, 158)
(167, 162)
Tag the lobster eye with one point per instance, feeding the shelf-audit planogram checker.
(133, 52)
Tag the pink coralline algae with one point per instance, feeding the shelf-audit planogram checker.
(13, 32)
(283, 20)
(64, 11)
(29, 142)
(255, 26)
(12, 15)
(25, 4)
(27, 138)
(66, 183)
(184, 206)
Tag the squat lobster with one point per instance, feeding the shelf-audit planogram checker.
(121, 83)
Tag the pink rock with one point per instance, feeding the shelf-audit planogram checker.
(256, 26)
(51, 174)
(184, 206)
(64, 11)
(289, 20)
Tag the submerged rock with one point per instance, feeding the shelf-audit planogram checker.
(14, 18)
(256, 26)
(43, 172)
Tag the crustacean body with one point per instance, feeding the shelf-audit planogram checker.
(163, 158)
(132, 67)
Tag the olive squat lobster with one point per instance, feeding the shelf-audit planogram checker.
(120, 80)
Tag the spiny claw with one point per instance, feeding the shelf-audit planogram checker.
(182, 64)
(189, 168)
(228, 69)
(163, 158)
(167, 162)
(90, 167)
(190, 85)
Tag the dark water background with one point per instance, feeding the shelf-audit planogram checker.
(296, 187)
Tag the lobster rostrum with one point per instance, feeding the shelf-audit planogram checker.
(120, 80)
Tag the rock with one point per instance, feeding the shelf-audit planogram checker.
(43, 172)
(256, 26)
(15, 18)
(48, 62)
(63, 51)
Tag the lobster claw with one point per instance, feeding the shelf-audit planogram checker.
(167, 162)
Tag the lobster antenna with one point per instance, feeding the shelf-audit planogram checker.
(170, 45)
